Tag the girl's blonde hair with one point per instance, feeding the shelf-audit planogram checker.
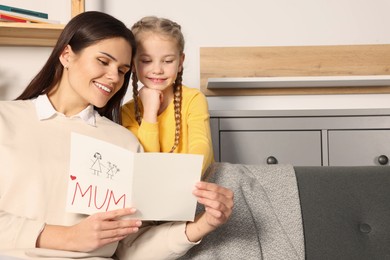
(170, 29)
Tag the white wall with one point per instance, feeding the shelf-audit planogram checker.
(19, 64)
(235, 23)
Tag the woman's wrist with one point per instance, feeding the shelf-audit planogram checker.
(196, 230)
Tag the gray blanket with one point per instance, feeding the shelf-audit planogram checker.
(266, 221)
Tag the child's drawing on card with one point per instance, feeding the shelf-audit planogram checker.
(96, 166)
(112, 170)
(100, 176)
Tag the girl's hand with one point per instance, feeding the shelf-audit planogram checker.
(218, 203)
(90, 234)
(151, 100)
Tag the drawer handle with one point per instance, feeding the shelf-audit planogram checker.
(383, 160)
(272, 160)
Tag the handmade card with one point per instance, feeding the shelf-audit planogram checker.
(104, 177)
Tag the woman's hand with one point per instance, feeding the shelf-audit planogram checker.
(91, 233)
(218, 203)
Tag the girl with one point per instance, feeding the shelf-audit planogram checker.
(79, 89)
(165, 115)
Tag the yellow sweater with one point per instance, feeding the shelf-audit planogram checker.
(195, 135)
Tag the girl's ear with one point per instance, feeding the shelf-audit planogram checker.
(65, 54)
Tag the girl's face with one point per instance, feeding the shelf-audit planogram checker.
(157, 61)
(95, 74)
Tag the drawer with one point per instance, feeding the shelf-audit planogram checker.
(299, 148)
(358, 147)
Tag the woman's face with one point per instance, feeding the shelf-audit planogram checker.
(95, 74)
(157, 61)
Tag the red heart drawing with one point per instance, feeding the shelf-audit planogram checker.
(72, 177)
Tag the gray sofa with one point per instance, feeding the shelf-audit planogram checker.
(314, 213)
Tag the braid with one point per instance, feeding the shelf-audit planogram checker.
(136, 100)
(177, 95)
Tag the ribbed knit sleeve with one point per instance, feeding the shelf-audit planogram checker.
(198, 128)
(18, 232)
(147, 133)
(149, 136)
(167, 241)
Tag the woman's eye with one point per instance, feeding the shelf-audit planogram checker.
(168, 61)
(103, 62)
(124, 69)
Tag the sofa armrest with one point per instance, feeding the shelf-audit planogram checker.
(345, 211)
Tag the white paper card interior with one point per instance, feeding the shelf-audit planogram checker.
(104, 177)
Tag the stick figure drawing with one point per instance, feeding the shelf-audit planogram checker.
(96, 165)
(112, 170)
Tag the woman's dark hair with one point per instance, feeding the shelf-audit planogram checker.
(82, 31)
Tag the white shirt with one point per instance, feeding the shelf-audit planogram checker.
(45, 110)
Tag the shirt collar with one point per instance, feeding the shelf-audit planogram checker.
(45, 110)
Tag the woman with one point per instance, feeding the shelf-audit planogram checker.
(79, 89)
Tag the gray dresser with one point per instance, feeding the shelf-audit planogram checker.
(353, 137)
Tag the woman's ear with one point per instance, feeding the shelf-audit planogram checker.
(64, 57)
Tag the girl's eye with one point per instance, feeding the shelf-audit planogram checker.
(168, 61)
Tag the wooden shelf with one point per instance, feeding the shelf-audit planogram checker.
(29, 34)
(295, 70)
(35, 34)
(299, 82)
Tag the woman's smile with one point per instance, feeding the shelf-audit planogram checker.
(105, 88)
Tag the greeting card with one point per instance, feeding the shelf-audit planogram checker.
(104, 177)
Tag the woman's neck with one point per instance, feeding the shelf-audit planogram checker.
(65, 103)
